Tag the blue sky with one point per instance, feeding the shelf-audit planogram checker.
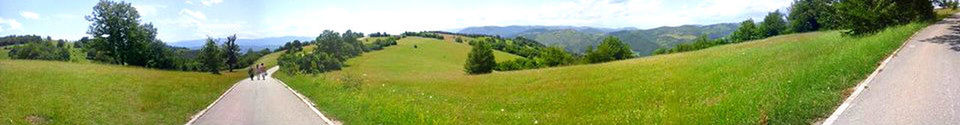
(179, 20)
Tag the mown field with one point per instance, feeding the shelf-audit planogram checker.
(54, 92)
(789, 79)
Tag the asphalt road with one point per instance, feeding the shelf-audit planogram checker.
(919, 85)
(260, 102)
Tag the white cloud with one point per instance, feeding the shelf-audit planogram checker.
(188, 2)
(210, 2)
(29, 15)
(194, 14)
(11, 24)
(148, 10)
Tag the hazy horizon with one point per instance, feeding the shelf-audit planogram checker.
(196, 19)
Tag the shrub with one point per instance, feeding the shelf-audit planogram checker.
(480, 60)
(40, 50)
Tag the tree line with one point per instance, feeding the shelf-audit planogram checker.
(118, 37)
(852, 17)
(480, 60)
(332, 49)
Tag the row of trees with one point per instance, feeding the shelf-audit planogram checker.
(422, 34)
(41, 50)
(854, 17)
(480, 59)
(332, 50)
(15, 39)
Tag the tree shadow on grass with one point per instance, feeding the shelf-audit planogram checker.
(952, 38)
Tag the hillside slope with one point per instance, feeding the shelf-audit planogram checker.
(776, 80)
(577, 39)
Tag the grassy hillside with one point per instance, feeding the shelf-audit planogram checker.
(87, 93)
(777, 80)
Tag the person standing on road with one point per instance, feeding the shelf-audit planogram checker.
(263, 71)
(251, 72)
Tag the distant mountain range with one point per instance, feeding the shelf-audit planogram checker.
(577, 39)
(255, 44)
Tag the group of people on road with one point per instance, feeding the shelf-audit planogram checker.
(258, 70)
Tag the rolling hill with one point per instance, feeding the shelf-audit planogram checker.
(776, 80)
(256, 44)
(577, 39)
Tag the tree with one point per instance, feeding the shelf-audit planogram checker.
(231, 51)
(610, 49)
(210, 57)
(554, 56)
(773, 24)
(811, 15)
(119, 38)
(480, 60)
(747, 31)
(869, 16)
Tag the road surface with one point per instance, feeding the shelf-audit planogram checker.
(259, 102)
(919, 85)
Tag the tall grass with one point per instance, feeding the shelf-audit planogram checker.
(790, 79)
(86, 93)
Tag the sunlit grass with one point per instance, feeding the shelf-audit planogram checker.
(790, 79)
(88, 93)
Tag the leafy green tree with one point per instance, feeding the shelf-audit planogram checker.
(868, 16)
(231, 51)
(555, 56)
(119, 38)
(40, 50)
(210, 57)
(747, 31)
(480, 60)
(773, 24)
(811, 15)
(609, 50)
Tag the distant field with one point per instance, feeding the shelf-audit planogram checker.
(87, 93)
(790, 79)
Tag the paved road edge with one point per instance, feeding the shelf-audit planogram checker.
(200, 114)
(862, 85)
(305, 101)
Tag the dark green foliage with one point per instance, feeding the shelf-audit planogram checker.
(379, 34)
(210, 57)
(480, 60)
(518, 64)
(231, 52)
(518, 46)
(339, 46)
(250, 57)
(747, 31)
(811, 15)
(309, 63)
(611, 49)
(869, 16)
(555, 56)
(14, 39)
(40, 50)
(702, 42)
(380, 44)
(773, 24)
(119, 37)
(422, 34)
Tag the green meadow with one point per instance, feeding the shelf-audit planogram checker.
(787, 79)
(53, 92)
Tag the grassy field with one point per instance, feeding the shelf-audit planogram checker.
(87, 93)
(790, 79)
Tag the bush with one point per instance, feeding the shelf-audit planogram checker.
(40, 50)
(518, 64)
(869, 16)
(480, 60)
(611, 49)
(308, 63)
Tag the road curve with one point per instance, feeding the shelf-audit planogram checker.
(920, 84)
(260, 102)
